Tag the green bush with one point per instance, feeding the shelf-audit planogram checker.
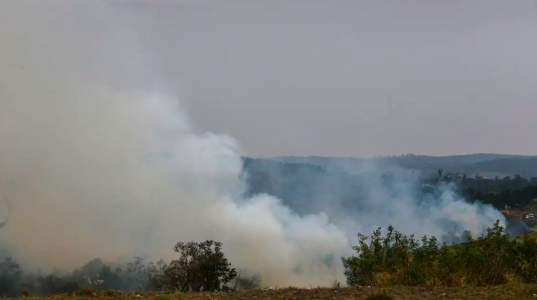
(396, 259)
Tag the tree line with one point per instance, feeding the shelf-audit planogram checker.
(200, 266)
(378, 260)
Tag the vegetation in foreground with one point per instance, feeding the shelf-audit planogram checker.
(477, 266)
(395, 259)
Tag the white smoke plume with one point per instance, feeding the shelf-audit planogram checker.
(84, 118)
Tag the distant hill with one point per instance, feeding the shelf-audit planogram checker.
(525, 167)
(307, 188)
(486, 164)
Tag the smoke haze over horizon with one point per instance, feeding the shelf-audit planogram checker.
(434, 78)
(86, 98)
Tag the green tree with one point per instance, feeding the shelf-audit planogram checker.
(200, 267)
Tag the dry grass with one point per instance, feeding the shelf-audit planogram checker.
(511, 291)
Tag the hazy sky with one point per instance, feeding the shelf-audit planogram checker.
(304, 77)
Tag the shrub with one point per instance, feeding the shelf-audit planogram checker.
(396, 259)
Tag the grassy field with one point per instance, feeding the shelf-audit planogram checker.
(511, 291)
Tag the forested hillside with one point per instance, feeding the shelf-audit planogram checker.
(490, 165)
(305, 187)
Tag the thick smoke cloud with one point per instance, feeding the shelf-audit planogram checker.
(99, 159)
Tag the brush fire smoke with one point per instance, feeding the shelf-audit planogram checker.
(83, 110)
